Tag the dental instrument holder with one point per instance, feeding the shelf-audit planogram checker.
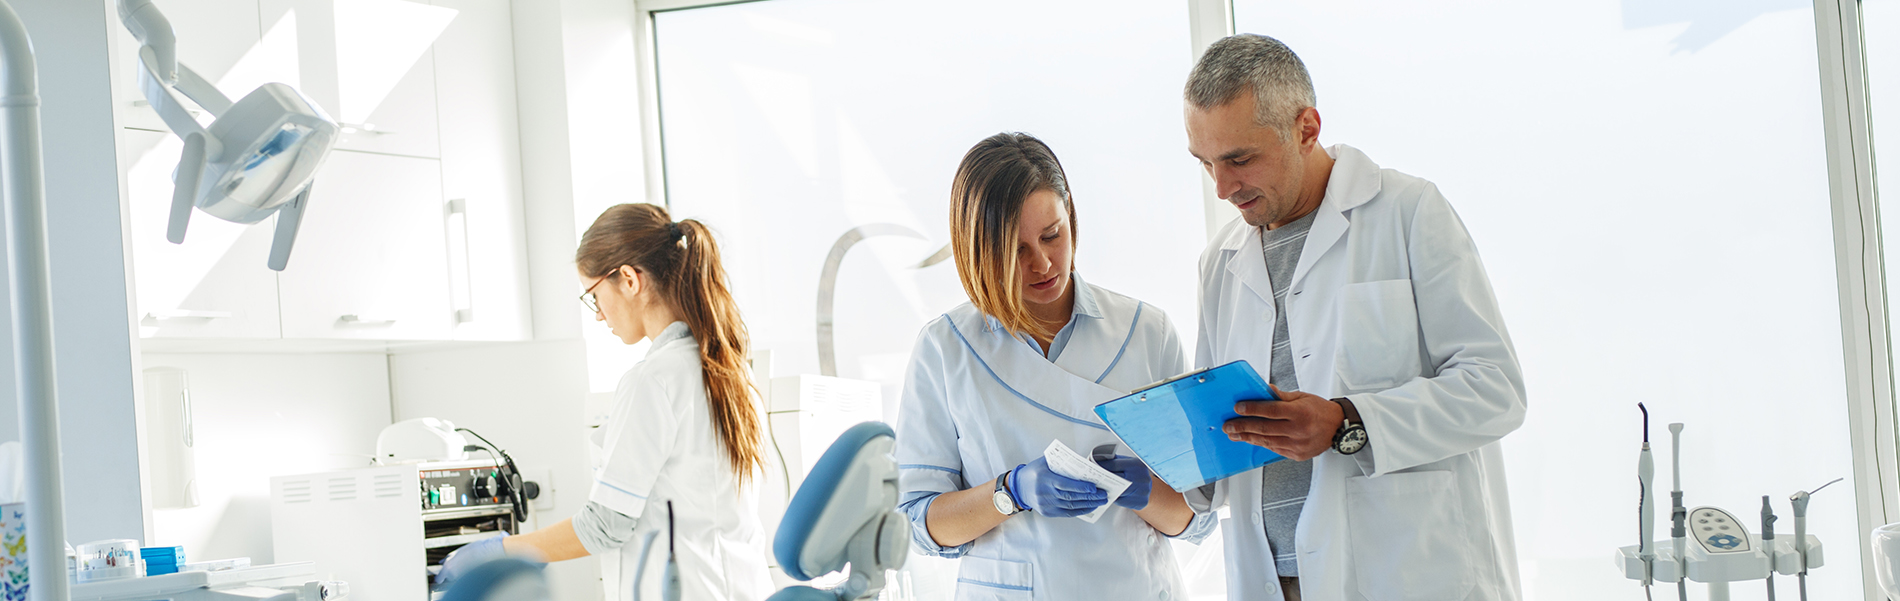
(1646, 505)
(1677, 514)
(1768, 538)
(1717, 570)
(1808, 555)
(669, 579)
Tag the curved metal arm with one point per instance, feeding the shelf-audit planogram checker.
(828, 282)
(30, 285)
(154, 32)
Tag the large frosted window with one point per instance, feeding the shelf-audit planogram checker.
(788, 124)
(1646, 182)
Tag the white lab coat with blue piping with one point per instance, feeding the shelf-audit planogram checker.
(978, 401)
(659, 445)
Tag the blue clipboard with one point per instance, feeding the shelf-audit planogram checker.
(1175, 426)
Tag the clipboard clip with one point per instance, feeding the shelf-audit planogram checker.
(1201, 376)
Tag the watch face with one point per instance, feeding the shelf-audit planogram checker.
(1004, 504)
(1352, 440)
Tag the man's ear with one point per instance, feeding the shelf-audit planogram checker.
(1308, 124)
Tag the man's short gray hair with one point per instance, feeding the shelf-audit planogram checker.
(1281, 86)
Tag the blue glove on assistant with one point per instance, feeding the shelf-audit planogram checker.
(1043, 491)
(1136, 473)
(470, 555)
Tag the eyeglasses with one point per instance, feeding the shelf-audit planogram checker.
(587, 298)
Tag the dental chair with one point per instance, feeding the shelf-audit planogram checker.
(843, 514)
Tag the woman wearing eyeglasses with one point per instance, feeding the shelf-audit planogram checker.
(685, 427)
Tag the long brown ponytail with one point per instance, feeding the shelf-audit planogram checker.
(683, 261)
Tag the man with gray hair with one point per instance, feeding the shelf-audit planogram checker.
(1361, 294)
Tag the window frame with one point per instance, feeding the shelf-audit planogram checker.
(1858, 247)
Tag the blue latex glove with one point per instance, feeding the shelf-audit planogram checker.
(1045, 492)
(467, 557)
(1136, 473)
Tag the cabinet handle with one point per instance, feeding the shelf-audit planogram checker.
(187, 314)
(361, 320)
(184, 398)
(460, 276)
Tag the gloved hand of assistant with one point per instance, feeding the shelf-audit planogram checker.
(470, 555)
(1050, 494)
(1136, 473)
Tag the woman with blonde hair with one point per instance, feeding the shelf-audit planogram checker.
(994, 381)
(686, 432)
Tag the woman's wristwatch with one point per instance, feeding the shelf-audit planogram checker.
(1005, 503)
(1351, 437)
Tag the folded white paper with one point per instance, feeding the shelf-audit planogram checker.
(1066, 462)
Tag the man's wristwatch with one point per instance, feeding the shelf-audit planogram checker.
(1351, 437)
(1005, 503)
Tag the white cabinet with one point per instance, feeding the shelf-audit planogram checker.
(371, 262)
(214, 286)
(481, 165)
(380, 255)
(369, 63)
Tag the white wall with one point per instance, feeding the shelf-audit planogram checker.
(526, 398)
(92, 328)
(263, 415)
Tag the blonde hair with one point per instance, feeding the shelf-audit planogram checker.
(683, 262)
(986, 206)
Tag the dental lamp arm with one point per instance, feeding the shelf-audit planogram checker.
(154, 33)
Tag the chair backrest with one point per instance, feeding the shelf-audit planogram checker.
(806, 551)
(505, 579)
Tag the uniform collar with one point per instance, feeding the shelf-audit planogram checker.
(674, 331)
(1085, 305)
(1354, 181)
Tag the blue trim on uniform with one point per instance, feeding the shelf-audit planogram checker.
(1006, 386)
(1006, 587)
(920, 466)
(1132, 326)
(635, 494)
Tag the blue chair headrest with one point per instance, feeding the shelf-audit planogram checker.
(491, 580)
(802, 514)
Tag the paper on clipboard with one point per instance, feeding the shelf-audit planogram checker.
(1175, 426)
(1069, 464)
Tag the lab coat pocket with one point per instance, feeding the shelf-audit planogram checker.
(1409, 537)
(1378, 335)
(985, 579)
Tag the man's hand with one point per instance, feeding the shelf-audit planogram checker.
(1300, 426)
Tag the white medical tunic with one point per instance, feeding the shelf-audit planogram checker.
(659, 445)
(978, 401)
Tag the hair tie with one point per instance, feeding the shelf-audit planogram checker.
(674, 228)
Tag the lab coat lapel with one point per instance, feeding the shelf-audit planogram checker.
(1328, 227)
(1250, 267)
(1355, 180)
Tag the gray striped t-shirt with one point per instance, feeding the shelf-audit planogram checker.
(1284, 483)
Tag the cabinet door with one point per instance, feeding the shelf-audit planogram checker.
(481, 166)
(370, 261)
(216, 284)
(368, 63)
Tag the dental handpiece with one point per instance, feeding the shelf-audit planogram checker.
(1800, 502)
(1768, 541)
(1646, 474)
(1678, 514)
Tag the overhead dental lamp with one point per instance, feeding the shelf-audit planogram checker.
(258, 156)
